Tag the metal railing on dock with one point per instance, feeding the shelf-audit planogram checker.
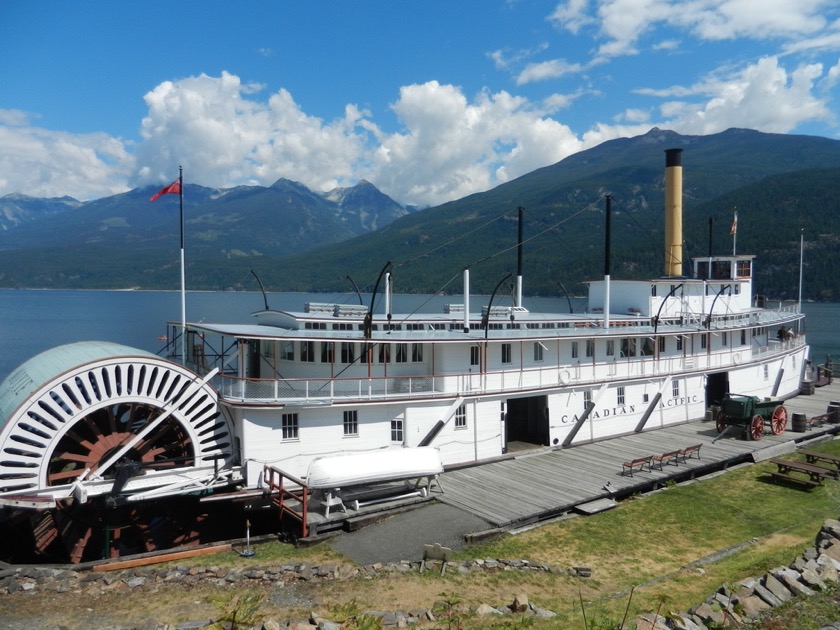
(289, 494)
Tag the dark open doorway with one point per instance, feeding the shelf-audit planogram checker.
(527, 420)
(717, 384)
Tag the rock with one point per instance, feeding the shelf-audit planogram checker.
(709, 615)
(654, 622)
(543, 613)
(833, 550)
(486, 609)
(328, 625)
(813, 580)
(752, 606)
(682, 622)
(829, 530)
(777, 588)
(791, 580)
(134, 582)
(270, 624)
(520, 603)
(765, 594)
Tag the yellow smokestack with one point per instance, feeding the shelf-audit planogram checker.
(673, 213)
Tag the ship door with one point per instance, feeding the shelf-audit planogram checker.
(527, 420)
(717, 384)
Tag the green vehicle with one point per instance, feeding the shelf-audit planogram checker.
(752, 414)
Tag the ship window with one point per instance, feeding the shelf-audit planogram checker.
(628, 347)
(307, 350)
(610, 347)
(661, 344)
(645, 397)
(417, 353)
(743, 336)
(289, 425)
(397, 430)
(538, 351)
(461, 417)
(766, 372)
(384, 352)
(721, 269)
(351, 423)
(619, 394)
(724, 339)
(587, 398)
(506, 353)
(679, 343)
(327, 351)
(675, 388)
(703, 341)
(402, 353)
(287, 351)
(647, 347)
(574, 349)
(268, 349)
(743, 269)
(590, 348)
(348, 352)
(474, 355)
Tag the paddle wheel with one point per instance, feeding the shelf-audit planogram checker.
(104, 451)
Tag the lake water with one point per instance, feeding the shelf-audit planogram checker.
(33, 321)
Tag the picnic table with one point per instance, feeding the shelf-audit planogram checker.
(815, 457)
(789, 470)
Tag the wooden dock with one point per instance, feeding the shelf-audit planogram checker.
(531, 486)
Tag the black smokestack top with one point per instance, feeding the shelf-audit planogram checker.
(673, 157)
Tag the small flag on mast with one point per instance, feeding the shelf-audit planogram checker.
(173, 189)
(734, 229)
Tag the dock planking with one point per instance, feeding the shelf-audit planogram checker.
(531, 486)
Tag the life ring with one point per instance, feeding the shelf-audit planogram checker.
(564, 377)
(736, 359)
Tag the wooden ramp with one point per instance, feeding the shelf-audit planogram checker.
(540, 484)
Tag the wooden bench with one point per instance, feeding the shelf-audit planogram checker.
(787, 467)
(815, 457)
(665, 458)
(780, 476)
(689, 452)
(639, 464)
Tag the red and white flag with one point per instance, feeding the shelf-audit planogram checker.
(734, 229)
(173, 189)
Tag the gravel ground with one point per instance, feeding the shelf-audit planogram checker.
(401, 537)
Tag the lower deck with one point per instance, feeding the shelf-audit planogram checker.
(535, 485)
(528, 486)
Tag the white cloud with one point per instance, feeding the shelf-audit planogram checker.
(545, 70)
(623, 23)
(449, 145)
(572, 15)
(223, 139)
(46, 163)
(451, 148)
(763, 95)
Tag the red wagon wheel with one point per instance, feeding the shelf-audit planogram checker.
(720, 422)
(755, 429)
(778, 421)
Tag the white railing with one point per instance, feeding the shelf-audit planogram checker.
(314, 391)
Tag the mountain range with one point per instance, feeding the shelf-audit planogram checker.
(296, 239)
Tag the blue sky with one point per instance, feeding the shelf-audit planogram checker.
(430, 101)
